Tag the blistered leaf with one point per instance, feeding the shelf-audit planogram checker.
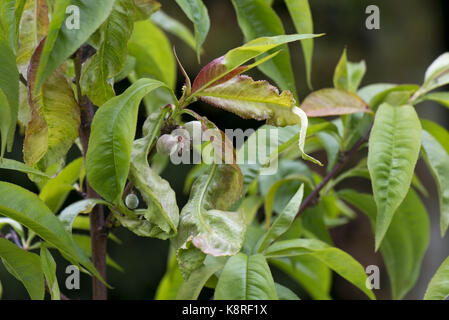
(257, 19)
(49, 268)
(162, 210)
(283, 222)
(334, 258)
(348, 75)
(113, 129)
(55, 117)
(331, 102)
(67, 33)
(98, 73)
(405, 242)
(204, 221)
(438, 288)
(175, 27)
(25, 267)
(302, 19)
(196, 11)
(246, 278)
(393, 151)
(25, 207)
(437, 159)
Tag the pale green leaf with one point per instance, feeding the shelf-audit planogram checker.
(49, 268)
(438, 288)
(175, 27)
(285, 293)
(70, 213)
(348, 75)
(437, 74)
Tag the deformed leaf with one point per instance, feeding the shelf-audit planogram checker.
(246, 278)
(332, 102)
(25, 267)
(393, 151)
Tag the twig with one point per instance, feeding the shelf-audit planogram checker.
(312, 197)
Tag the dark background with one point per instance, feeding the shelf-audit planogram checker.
(413, 33)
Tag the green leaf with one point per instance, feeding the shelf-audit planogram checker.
(162, 212)
(113, 129)
(56, 190)
(332, 102)
(302, 19)
(10, 164)
(170, 282)
(438, 288)
(348, 75)
(8, 22)
(257, 19)
(25, 267)
(392, 155)
(283, 222)
(437, 159)
(26, 208)
(385, 93)
(191, 288)
(174, 27)
(155, 60)
(437, 74)
(196, 11)
(9, 94)
(440, 97)
(205, 224)
(99, 71)
(49, 268)
(438, 132)
(334, 258)
(313, 275)
(69, 214)
(285, 293)
(246, 278)
(64, 39)
(145, 8)
(405, 242)
(55, 117)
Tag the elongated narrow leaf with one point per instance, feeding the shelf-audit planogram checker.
(283, 222)
(155, 60)
(162, 212)
(99, 71)
(55, 117)
(348, 75)
(69, 214)
(49, 268)
(190, 289)
(393, 152)
(302, 19)
(313, 275)
(246, 278)
(56, 190)
(196, 11)
(405, 242)
(25, 266)
(25, 207)
(334, 258)
(73, 22)
(438, 288)
(257, 19)
(230, 65)
(437, 159)
(10, 164)
(175, 27)
(331, 102)
(113, 129)
(9, 89)
(204, 221)
(171, 281)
